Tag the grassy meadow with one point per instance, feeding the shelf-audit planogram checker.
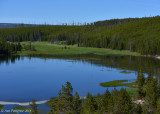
(46, 48)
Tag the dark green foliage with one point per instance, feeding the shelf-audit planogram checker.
(140, 79)
(105, 101)
(124, 103)
(149, 78)
(116, 102)
(140, 83)
(52, 104)
(7, 48)
(1, 107)
(158, 105)
(99, 103)
(152, 93)
(90, 104)
(77, 104)
(139, 109)
(33, 107)
(19, 47)
(65, 101)
(136, 34)
(65, 98)
(115, 21)
(140, 92)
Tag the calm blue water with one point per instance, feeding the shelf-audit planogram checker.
(42, 78)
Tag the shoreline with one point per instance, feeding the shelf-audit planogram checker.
(48, 49)
(157, 57)
(22, 103)
(153, 56)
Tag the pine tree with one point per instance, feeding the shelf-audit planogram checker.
(140, 79)
(65, 98)
(52, 104)
(106, 101)
(77, 104)
(33, 107)
(90, 104)
(152, 93)
(139, 109)
(140, 83)
(114, 99)
(149, 78)
(99, 103)
(63, 103)
(124, 103)
(158, 106)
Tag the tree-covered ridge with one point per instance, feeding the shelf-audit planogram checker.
(139, 35)
(115, 21)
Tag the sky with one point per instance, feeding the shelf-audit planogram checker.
(69, 11)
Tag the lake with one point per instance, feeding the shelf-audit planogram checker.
(41, 78)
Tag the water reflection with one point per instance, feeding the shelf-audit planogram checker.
(147, 64)
(25, 78)
(134, 63)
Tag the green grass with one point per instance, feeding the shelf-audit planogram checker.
(132, 91)
(117, 83)
(126, 72)
(46, 48)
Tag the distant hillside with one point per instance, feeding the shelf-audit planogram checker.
(135, 34)
(97, 23)
(115, 21)
(15, 25)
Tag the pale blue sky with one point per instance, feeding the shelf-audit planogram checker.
(67, 11)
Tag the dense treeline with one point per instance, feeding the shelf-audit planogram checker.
(115, 21)
(117, 102)
(7, 48)
(140, 34)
